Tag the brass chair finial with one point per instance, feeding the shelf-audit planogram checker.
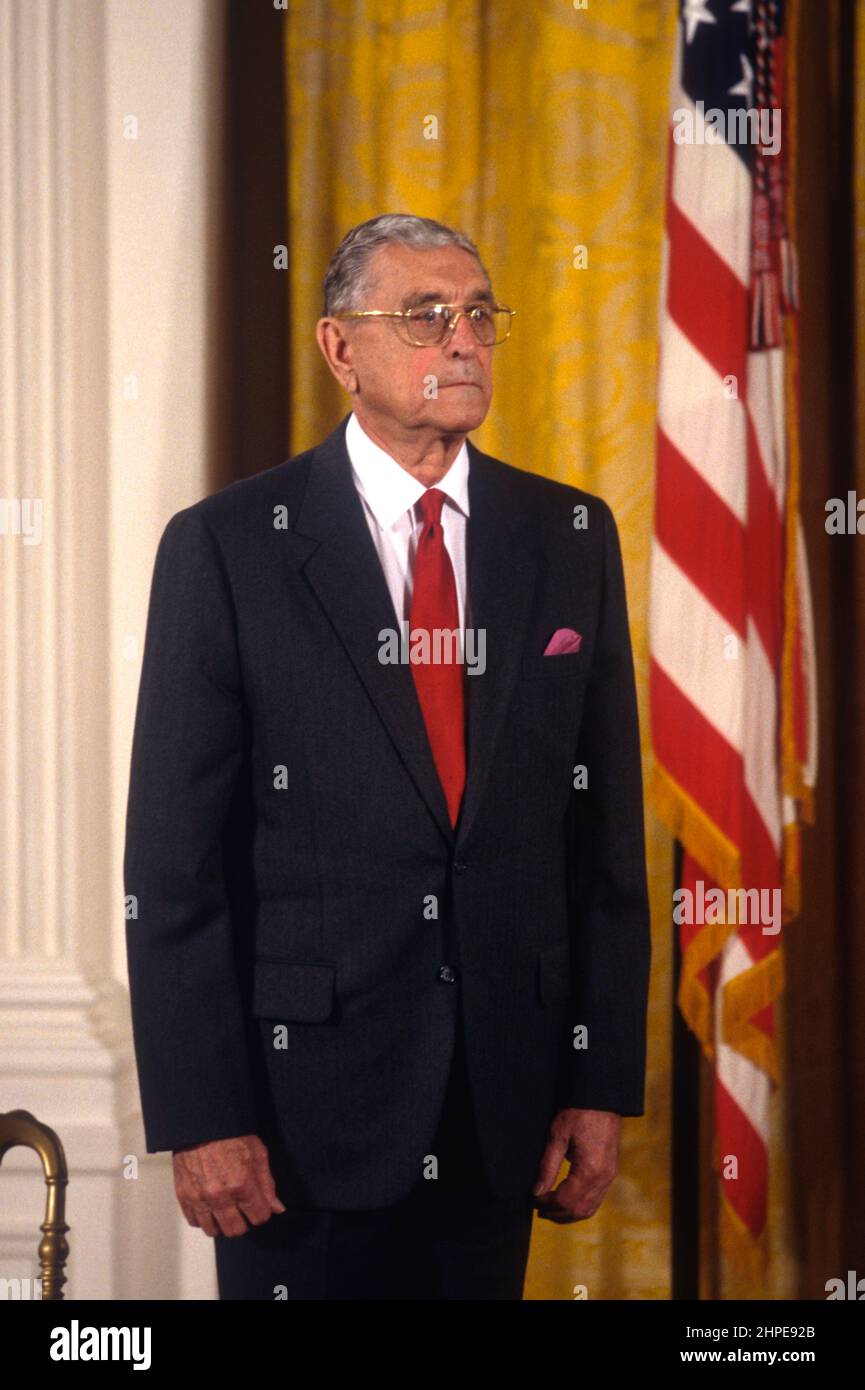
(20, 1128)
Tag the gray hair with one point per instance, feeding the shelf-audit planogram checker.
(347, 279)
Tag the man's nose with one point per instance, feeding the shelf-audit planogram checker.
(462, 340)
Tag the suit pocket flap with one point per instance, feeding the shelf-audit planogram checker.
(554, 982)
(302, 992)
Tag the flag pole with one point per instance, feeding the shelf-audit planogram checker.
(685, 1138)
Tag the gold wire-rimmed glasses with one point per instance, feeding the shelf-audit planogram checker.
(428, 325)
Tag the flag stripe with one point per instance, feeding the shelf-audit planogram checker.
(691, 642)
(708, 300)
(705, 536)
(679, 730)
(703, 425)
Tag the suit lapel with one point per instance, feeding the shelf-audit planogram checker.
(502, 569)
(346, 576)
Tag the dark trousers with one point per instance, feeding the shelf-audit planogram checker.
(449, 1239)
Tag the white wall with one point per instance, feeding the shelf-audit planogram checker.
(111, 125)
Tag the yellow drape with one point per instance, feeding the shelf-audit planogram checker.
(551, 136)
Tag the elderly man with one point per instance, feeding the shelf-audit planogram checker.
(390, 963)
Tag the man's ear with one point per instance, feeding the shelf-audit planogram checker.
(337, 352)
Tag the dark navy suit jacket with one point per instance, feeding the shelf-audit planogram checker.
(297, 881)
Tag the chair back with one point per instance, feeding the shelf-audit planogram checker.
(19, 1127)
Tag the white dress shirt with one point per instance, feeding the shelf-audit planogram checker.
(389, 495)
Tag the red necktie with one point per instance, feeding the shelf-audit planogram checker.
(439, 684)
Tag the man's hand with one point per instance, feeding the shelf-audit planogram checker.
(589, 1139)
(220, 1183)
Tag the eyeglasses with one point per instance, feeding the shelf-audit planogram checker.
(428, 325)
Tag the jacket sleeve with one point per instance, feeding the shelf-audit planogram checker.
(610, 931)
(188, 746)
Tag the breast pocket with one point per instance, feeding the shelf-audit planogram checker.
(564, 666)
(294, 991)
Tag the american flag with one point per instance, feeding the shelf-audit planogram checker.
(732, 682)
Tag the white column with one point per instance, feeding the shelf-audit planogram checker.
(110, 123)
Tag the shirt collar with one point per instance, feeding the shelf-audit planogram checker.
(387, 487)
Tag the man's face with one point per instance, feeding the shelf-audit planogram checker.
(394, 379)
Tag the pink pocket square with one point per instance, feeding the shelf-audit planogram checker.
(564, 639)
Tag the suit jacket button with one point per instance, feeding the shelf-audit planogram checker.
(460, 866)
(447, 974)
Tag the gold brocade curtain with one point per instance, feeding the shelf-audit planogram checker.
(551, 137)
(550, 125)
